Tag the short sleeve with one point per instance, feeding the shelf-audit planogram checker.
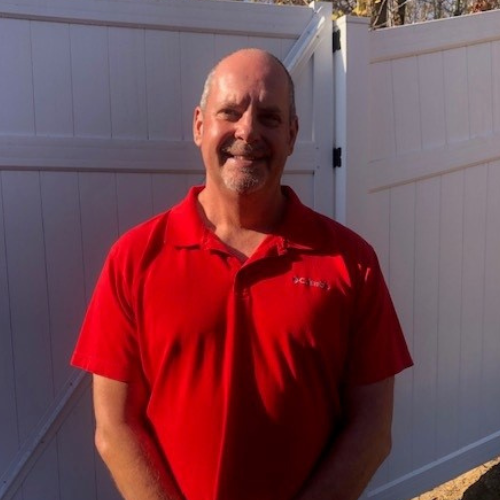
(377, 348)
(107, 344)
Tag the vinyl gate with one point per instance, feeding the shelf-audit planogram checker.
(421, 134)
(96, 102)
(95, 110)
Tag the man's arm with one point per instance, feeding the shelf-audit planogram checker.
(125, 444)
(359, 449)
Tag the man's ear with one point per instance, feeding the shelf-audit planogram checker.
(294, 131)
(198, 125)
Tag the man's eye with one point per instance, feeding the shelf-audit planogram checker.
(271, 120)
(229, 113)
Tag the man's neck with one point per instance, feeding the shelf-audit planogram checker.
(241, 221)
(259, 212)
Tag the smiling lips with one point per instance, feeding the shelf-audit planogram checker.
(245, 152)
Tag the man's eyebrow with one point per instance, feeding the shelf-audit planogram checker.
(271, 109)
(228, 103)
(231, 103)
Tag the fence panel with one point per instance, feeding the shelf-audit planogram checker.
(97, 101)
(430, 175)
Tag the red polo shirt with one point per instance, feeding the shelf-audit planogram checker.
(244, 363)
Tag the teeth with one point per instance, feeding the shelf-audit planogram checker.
(243, 156)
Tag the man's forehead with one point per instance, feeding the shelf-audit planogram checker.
(241, 61)
(251, 64)
(237, 88)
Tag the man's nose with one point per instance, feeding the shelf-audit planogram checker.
(247, 127)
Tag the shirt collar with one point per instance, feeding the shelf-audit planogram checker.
(185, 227)
(301, 227)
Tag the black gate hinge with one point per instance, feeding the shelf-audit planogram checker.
(337, 157)
(336, 40)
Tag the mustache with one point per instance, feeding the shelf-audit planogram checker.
(239, 148)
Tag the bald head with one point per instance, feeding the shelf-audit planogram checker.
(241, 57)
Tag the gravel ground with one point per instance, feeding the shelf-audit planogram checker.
(482, 483)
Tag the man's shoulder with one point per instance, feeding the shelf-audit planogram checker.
(307, 227)
(147, 237)
(336, 236)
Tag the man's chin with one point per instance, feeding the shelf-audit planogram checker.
(244, 186)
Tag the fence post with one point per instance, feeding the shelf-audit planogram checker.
(352, 93)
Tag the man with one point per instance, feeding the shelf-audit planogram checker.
(243, 347)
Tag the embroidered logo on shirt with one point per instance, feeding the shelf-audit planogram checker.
(324, 285)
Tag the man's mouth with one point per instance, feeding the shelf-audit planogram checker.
(244, 153)
(245, 157)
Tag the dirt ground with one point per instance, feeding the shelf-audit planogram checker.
(482, 483)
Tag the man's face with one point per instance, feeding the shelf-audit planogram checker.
(245, 131)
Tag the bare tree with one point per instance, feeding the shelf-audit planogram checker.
(386, 13)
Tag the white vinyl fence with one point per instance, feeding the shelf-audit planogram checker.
(421, 134)
(96, 101)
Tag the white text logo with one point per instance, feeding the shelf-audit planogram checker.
(324, 285)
